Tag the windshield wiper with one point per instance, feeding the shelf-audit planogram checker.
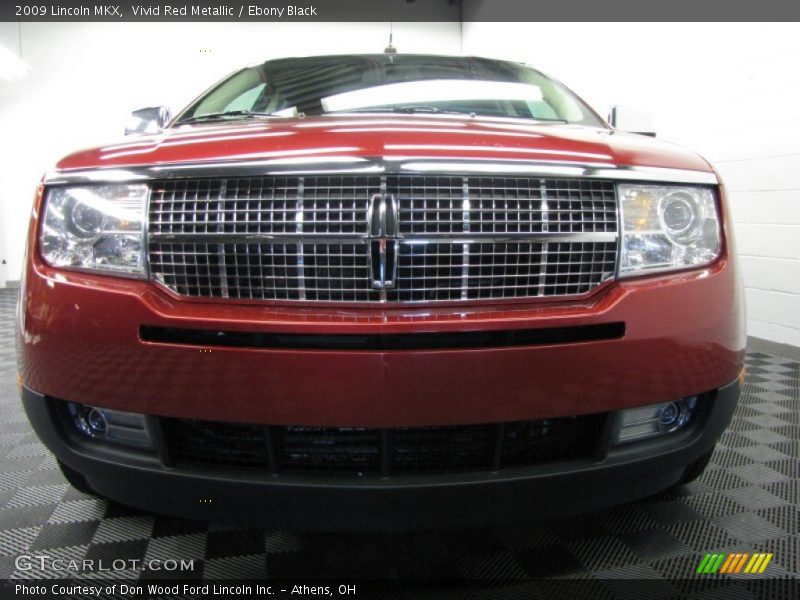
(544, 120)
(406, 110)
(428, 109)
(221, 116)
(434, 110)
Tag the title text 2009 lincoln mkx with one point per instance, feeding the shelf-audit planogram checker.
(380, 291)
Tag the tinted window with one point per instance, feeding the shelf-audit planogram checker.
(330, 84)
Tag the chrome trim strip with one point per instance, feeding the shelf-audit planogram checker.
(629, 173)
(393, 233)
(408, 238)
(347, 304)
(146, 236)
(545, 229)
(404, 164)
(476, 238)
(223, 268)
(465, 207)
(301, 264)
(263, 238)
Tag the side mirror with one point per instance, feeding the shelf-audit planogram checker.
(148, 120)
(633, 120)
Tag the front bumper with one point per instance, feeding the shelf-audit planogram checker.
(81, 339)
(619, 474)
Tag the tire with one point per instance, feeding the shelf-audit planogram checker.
(695, 469)
(76, 480)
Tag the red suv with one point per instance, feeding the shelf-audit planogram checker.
(380, 291)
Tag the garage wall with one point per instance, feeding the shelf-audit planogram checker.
(729, 91)
(87, 78)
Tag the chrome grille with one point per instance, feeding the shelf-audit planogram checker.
(330, 272)
(432, 272)
(502, 205)
(307, 238)
(261, 205)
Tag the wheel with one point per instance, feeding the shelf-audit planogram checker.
(695, 469)
(76, 480)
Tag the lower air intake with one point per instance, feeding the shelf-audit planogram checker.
(404, 450)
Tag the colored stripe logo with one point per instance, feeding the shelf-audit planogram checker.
(737, 562)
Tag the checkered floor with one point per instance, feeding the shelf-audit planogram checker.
(747, 500)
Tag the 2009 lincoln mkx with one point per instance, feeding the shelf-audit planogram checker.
(381, 291)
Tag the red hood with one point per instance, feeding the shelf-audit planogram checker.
(375, 136)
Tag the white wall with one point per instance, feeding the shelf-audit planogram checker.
(86, 79)
(729, 91)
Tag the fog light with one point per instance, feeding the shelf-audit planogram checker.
(650, 421)
(669, 415)
(94, 422)
(112, 426)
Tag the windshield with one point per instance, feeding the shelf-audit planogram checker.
(390, 83)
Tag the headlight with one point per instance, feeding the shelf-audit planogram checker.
(666, 228)
(98, 227)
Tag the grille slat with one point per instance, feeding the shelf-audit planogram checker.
(363, 451)
(304, 238)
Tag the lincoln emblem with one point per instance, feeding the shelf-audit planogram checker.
(383, 239)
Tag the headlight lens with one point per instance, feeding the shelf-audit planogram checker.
(99, 227)
(667, 227)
